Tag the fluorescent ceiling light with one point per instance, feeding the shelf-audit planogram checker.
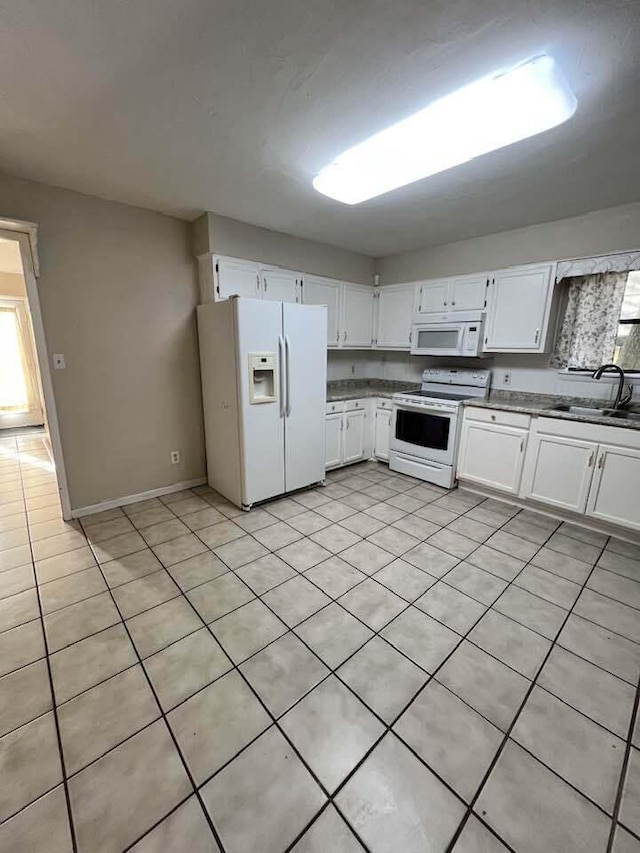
(486, 115)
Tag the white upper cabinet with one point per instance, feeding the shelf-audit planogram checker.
(468, 292)
(394, 313)
(236, 278)
(434, 297)
(324, 291)
(518, 309)
(280, 285)
(462, 293)
(357, 316)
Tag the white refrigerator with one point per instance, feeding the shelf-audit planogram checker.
(264, 380)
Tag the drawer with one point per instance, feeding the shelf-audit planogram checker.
(497, 416)
(352, 405)
(384, 403)
(337, 406)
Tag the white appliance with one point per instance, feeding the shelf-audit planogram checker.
(264, 382)
(453, 333)
(425, 423)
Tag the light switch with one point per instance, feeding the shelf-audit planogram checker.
(58, 361)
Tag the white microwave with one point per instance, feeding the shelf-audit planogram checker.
(457, 333)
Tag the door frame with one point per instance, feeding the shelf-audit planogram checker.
(26, 235)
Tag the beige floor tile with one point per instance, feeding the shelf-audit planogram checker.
(123, 794)
(73, 623)
(451, 607)
(44, 825)
(61, 544)
(247, 629)
(14, 538)
(277, 535)
(143, 594)
(240, 552)
(185, 667)
(220, 534)
(334, 576)
(179, 549)
(512, 643)
(104, 530)
(404, 579)
(20, 646)
(263, 799)
(119, 546)
(197, 570)
(396, 803)
(165, 531)
(14, 581)
(24, 695)
(304, 554)
(100, 718)
(90, 661)
(283, 672)
(219, 596)
(535, 812)
(130, 567)
(11, 558)
(215, 724)
(30, 759)
(367, 556)
(333, 634)
(295, 600)
(18, 609)
(265, 572)
(372, 603)
(431, 560)
(453, 740)
(60, 593)
(156, 628)
(328, 832)
(52, 568)
(185, 829)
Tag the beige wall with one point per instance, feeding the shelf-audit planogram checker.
(12, 284)
(213, 233)
(597, 233)
(118, 291)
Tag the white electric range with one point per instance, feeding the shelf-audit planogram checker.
(425, 423)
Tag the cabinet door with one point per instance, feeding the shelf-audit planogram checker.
(280, 285)
(518, 310)
(394, 316)
(493, 455)
(434, 296)
(615, 490)
(241, 278)
(333, 440)
(381, 437)
(468, 293)
(324, 291)
(353, 436)
(357, 316)
(558, 471)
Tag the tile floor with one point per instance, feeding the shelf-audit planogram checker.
(374, 665)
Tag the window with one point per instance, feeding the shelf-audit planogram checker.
(627, 346)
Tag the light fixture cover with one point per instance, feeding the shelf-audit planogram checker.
(492, 112)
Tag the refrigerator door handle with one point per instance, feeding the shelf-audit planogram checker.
(281, 369)
(287, 350)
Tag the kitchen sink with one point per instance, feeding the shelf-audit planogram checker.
(622, 415)
(577, 410)
(617, 414)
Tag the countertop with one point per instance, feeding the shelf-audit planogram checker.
(539, 404)
(354, 389)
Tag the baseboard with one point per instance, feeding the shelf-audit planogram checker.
(132, 499)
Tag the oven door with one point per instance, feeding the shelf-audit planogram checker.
(424, 432)
(437, 339)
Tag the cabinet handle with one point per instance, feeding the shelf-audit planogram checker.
(444, 303)
(258, 283)
(537, 336)
(345, 334)
(522, 445)
(420, 302)
(265, 284)
(453, 303)
(410, 335)
(601, 461)
(590, 460)
(348, 422)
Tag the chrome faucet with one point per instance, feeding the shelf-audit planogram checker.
(619, 400)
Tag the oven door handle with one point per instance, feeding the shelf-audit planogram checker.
(426, 410)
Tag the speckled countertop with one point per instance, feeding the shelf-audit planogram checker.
(540, 404)
(354, 389)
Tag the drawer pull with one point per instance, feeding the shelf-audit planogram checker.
(601, 461)
(493, 417)
(590, 460)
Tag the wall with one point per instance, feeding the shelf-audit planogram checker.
(213, 233)
(12, 284)
(603, 231)
(118, 291)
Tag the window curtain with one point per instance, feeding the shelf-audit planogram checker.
(590, 324)
(18, 378)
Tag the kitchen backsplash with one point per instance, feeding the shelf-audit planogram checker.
(528, 373)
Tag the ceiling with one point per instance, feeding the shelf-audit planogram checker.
(190, 105)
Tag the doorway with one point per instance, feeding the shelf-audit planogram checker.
(28, 417)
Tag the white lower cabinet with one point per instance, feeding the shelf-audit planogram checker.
(558, 471)
(382, 434)
(353, 439)
(492, 454)
(615, 491)
(333, 439)
(346, 433)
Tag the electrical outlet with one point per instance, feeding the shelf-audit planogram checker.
(175, 457)
(58, 361)
(506, 377)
